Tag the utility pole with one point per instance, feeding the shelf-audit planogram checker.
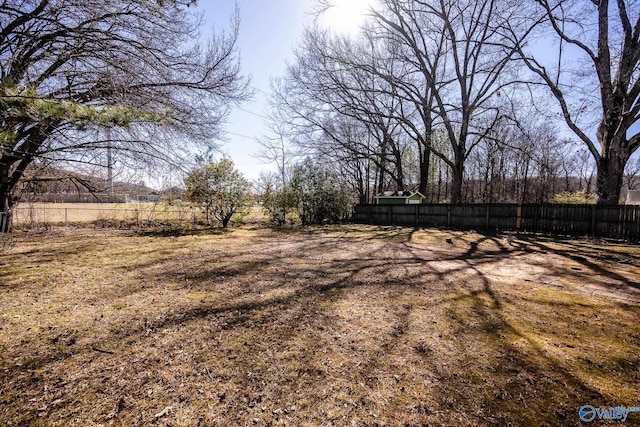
(109, 163)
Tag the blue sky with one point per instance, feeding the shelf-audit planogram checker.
(269, 32)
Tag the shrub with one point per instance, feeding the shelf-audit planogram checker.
(220, 189)
(580, 197)
(320, 195)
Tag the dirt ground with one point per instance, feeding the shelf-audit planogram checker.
(345, 325)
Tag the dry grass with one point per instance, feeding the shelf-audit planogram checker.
(349, 325)
(117, 215)
(45, 214)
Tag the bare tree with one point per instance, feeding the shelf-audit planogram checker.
(276, 146)
(586, 169)
(593, 76)
(431, 82)
(326, 95)
(632, 174)
(464, 57)
(404, 80)
(69, 69)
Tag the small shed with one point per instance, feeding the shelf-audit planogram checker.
(633, 197)
(399, 198)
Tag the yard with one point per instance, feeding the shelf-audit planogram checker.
(41, 215)
(345, 325)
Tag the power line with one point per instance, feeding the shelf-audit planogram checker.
(253, 138)
(259, 90)
(251, 112)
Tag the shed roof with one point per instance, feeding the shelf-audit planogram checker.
(398, 194)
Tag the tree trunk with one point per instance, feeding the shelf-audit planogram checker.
(457, 174)
(425, 160)
(380, 180)
(226, 219)
(399, 172)
(609, 181)
(439, 184)
(6, 213)
(525, 182)
(6, 199)
(399, 183)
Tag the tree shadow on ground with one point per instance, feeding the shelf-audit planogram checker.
(595, 260)
(341, 325)
(179, 231)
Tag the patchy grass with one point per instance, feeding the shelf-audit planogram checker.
(43, 215)
(118, 215)
(348, 325)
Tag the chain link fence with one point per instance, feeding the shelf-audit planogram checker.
(45, 215)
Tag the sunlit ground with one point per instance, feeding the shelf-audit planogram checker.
(345, 325)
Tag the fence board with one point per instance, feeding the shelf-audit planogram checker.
(433, 215)
(620, 222)
(4, 219)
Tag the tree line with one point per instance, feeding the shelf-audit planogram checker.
(470, 101)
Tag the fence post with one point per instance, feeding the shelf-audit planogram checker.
(417, 213)
(594, 212)
(519, 217)
(449, 215)
(486, 222)
(636, 221)
(390, 214)
(636, 216)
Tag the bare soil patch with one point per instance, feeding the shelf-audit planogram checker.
(347, 325)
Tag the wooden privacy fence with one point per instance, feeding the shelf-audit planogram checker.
(619, 222)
